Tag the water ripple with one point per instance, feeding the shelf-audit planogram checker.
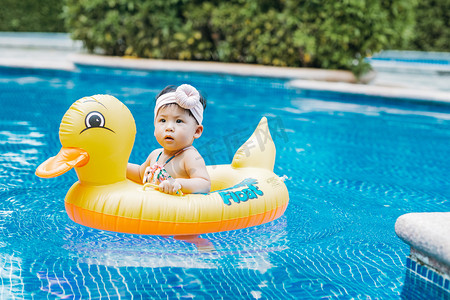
(354, 166)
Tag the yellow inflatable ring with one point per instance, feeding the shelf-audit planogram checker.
(97, 134)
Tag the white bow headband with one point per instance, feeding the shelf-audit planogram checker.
(185, 96)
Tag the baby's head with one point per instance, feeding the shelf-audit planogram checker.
(186, 97)
(178, 117)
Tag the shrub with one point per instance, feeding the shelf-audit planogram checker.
(315, 33)
(31, 15)
(126, 27)
(345, 32)
(432, 30)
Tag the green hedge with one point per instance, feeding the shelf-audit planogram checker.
(298, 33)
(32, 15)
(432, 29)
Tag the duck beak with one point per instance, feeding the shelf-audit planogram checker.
(66, 159)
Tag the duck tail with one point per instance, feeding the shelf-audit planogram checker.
(258, 151)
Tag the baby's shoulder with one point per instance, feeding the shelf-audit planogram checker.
(191, 151)
(192, 154)
(156, 151)
(153, 155)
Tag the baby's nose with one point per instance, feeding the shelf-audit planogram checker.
(169, 126)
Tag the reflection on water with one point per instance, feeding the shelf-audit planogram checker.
(206, 251)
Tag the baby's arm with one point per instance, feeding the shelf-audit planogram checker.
(136, 172)
(133, 172)
(198, 181)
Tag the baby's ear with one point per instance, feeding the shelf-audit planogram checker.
(198, 131)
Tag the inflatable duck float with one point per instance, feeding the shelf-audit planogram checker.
(97, 135)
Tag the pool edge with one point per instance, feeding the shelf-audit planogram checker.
(430, 246)
(373, 90)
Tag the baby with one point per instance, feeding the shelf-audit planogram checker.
(178, 165)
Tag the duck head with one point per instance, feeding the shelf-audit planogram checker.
(97, 134)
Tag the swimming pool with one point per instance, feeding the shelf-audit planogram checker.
(354, 164)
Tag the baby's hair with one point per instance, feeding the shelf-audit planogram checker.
(173, 88)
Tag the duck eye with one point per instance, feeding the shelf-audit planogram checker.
(95, 119)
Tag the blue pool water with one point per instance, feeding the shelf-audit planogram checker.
(354, 164)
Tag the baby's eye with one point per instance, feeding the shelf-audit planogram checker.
(162, 120)
(179, 121)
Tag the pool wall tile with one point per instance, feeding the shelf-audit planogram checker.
(428, 274)
(413, 266)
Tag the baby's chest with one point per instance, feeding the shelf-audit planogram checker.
(176, 169)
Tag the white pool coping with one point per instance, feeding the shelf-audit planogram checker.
(301, 78)
(428, 234)
(213, 67)
(39, 40)
(374, 90)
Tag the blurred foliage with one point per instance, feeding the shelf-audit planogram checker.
(296, 33)
(432, 29)
(31, 15)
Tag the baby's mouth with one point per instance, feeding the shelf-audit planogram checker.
(168, 138)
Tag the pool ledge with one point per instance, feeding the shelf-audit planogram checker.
(374, 90)
(429, 239)
(218, 68)
(337, 81)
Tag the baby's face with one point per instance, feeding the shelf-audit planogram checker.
(175, 129)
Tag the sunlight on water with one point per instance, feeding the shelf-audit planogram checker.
(352, 166)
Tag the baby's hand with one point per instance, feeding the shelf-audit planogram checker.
(170, 186)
